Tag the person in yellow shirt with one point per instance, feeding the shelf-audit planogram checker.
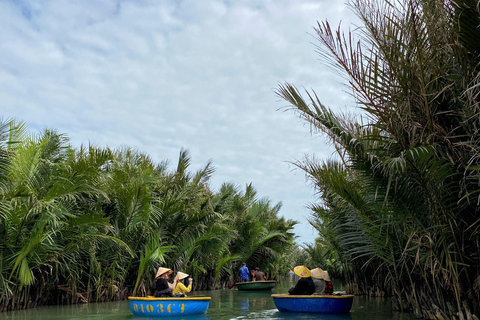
(180, 287)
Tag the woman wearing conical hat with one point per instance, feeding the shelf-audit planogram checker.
(318, 280)
(180, 290)
(328, 283)
(162, 286)
(305, 285)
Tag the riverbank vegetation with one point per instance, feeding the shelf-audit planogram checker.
(94, 224)
(400, 201)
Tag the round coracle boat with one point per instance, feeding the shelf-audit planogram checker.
(335, 303)
(151, 306)
(256, 285)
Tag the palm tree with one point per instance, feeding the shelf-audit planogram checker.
(92, 224)
(46, 190)
(402, 196)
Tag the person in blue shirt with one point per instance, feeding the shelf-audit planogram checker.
(244, 272)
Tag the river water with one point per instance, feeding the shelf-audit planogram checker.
(225, 304)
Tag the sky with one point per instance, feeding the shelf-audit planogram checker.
(162, 76)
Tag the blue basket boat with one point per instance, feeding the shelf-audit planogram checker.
(155, 307)
(313, 303)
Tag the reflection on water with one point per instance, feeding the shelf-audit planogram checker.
(275, 314)
(245, 304)
(255, 301)
(225, 304)
(260, 305)
(191, 317)
(110, 310)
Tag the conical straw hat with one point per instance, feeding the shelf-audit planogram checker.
(301, 271)
(317, 273)
(161, 271)
(181, 275)
(326, 276)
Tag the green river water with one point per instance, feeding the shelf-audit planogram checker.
(225, 304)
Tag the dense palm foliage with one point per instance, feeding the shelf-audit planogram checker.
(93, 224)
(400, 203)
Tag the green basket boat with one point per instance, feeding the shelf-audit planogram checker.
(256, 285)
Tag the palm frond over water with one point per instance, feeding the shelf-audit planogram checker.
(400, 204)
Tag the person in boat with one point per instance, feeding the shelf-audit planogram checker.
(305, 285)
(318, 280)
(181, 290)
(163, 288)
(244, 272)
(259, 275)
(328, 283)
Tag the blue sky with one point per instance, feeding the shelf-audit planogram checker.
(159, 76)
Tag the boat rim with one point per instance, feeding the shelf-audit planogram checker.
(169, 298)
(249, 282)
(286, 295)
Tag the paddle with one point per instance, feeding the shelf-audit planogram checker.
(233, 285)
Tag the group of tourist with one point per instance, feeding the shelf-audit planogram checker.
(163, 288)
(315, 281)
(257, 275)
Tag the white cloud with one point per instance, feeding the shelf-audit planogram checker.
(159, 76)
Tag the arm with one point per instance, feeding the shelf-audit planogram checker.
(174, 284)
(181, 288)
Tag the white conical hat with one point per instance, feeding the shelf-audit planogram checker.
(326, 276)
(161, 271)
(317, 273)
(181, 275)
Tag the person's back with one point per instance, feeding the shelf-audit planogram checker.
(319, 280)
(162, 286)
(244, 273)
(259, 276)
(328, 283)
(304, 286)
(328, 287)
(319, 286)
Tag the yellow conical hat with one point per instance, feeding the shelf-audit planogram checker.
(301, 271)
(317, 273)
